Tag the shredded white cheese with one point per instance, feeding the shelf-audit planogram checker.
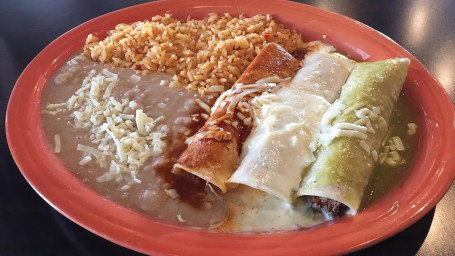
(57, 143)
(365, 146)
(188, 140)
(374, 154)
(235, 95)
(247, 121)
(363, 112)
(172, 193)
(135, 78)
(358, 129)
(125, 187)
(332, 113)
(398, 143)
(164, 82)
(216, 88)
(205, 116)
(179, 217)
(110, 87)
(89, 150)
(54, 106)
(124, 140)
(350, 126)
(203, 105)
(141, 120)
(135, 179)
(85, 160)
(351, 134)
(390, 155)
(412, 129)
(240, 115)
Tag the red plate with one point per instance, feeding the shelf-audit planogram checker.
(431, 175)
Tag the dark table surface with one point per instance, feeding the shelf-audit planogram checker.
(29, 226)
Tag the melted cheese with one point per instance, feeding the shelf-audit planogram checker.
(277, 150)
(323, 74)
(252, 210)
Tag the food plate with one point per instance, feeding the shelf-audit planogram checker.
(431, 175)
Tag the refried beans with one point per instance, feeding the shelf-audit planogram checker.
(154, 190)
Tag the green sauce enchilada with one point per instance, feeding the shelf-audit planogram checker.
(352, 132)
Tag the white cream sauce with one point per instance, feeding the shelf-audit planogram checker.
(252, 210)
(286, 126)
